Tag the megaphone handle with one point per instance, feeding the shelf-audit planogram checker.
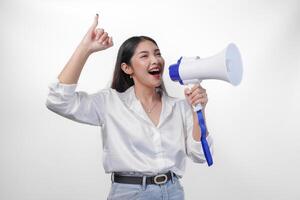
(197, 107)
(204, 142)
(207, 153)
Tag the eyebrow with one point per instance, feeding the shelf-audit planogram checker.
(148, 51)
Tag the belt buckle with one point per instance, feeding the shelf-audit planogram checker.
(158, 182)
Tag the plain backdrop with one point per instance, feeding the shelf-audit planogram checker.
(255, 125)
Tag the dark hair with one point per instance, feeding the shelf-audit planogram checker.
(122, 81)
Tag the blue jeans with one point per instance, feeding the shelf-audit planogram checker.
(171, 190)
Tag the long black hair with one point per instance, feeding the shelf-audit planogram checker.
(122, 81)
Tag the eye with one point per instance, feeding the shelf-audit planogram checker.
(144, 56)
(158, 54)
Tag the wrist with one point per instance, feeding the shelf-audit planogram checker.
(84, 50)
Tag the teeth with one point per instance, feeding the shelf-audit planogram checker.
(154, 70)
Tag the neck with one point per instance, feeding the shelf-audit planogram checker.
(146, 95)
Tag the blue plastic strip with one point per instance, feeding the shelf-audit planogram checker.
(204, 142)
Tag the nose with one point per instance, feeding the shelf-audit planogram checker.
(154, 60)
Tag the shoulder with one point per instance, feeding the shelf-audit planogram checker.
(175, 100)
(179, 103)
(105, 94)
(183, 107)
(110, 94)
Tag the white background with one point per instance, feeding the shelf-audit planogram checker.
(255, 125)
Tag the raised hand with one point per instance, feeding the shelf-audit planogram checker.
(96, 39)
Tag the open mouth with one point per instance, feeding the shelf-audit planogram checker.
(155, 71)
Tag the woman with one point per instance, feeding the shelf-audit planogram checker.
(146, 134)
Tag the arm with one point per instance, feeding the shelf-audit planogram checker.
(72, 70)
(94, 40)
(194, 148)
(194, 96)
(62, 98)
(196, 129)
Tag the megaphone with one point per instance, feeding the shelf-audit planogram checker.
(226, 65)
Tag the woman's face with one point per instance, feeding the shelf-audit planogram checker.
(147, 64)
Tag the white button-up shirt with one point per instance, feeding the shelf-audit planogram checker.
(131, 142)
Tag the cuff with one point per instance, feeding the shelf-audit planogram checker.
(62, 88)
(197, 146)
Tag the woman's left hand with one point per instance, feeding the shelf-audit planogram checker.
(196, 95)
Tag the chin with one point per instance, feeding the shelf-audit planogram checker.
(158, 84)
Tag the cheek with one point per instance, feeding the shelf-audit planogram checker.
(141, 63)
(139, 66)
(141, 71)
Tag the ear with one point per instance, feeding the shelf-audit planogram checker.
(127, 69)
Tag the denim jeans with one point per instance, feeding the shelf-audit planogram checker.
(171, 190)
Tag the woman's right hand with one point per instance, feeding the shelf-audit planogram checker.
(96, 39)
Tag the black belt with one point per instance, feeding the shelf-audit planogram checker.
(158, 179)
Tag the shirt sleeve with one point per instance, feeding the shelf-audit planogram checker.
(77, 106)
(194, 148)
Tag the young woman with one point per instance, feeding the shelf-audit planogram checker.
(146, 134)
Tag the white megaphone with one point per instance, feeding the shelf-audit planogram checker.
(226, 65)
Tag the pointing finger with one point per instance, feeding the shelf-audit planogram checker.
(95, 23)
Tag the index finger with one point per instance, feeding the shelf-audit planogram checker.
(95, 23)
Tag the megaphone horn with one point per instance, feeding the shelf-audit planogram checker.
(226, 65)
